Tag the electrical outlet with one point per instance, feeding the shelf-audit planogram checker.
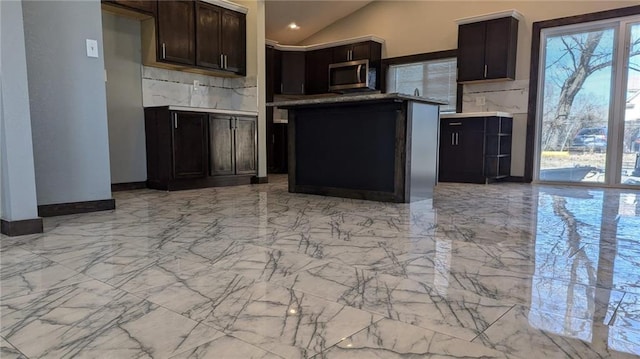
(92, 48)
(196, 84)
(480, 101)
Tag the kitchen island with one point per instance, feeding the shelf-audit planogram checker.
(381, 147)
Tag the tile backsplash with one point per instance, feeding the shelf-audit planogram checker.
(506, 96)
(162, 87)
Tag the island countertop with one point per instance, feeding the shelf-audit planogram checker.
(354, 98)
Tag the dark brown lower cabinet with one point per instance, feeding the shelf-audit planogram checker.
(475, 149)
(189, 145)
(199, 149)
(233, 145)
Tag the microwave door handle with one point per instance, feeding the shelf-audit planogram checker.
(359, 73)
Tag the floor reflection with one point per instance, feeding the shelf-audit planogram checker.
(588, 239)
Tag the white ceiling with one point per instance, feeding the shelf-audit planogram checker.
(311, 15)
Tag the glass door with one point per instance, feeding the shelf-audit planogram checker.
(576, 98)
(589, 103)
(630, 167)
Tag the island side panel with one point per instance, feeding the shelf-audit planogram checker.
(423, 122)
(348, 150)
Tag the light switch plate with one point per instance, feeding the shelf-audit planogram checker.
(92, 48)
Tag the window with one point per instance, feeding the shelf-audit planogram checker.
(432, 78)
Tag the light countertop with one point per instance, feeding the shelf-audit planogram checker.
(354, 98)
(477, 114)
(213, 110)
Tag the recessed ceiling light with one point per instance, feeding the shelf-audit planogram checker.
(293, 26)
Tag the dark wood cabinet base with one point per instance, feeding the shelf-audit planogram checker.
(183, 184)
(21, 228)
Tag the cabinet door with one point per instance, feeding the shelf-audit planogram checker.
(500, 50)
(448, 157)
(293, 73)
(277, 71)
(461, 157)
(341, 53)
(470, 140)
(189, 145)
(175, 24)
(471, 51)
(269, 55)
(234, 42)
(208, 40)
(221, 145)
(361, 51)
(246, 161)
(318, 71)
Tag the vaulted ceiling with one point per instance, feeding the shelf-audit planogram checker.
(311, 15)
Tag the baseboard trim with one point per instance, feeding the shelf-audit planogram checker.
(61, 209)
(22, 227)
(117, 187)
(259, 180)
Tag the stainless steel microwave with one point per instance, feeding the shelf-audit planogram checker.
(351, 76)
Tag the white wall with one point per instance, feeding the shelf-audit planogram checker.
(413, 27)
(123, 58)
(17, 177)
(68, 101)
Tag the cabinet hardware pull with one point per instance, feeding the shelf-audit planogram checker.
(221, 61)
(273, 139)
(302, 87)
(485, 71)
(457, 138)
(226, 62)
(452, 139)
(358, 71)
(175, 120)
(455, 124)
(281, 87)
(349, 56)
(164, 51)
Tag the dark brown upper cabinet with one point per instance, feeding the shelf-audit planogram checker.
(234, 41)
(201, 35)
(220, 38)
(208, 36)
(317, 67)
(307, 72)
(292, 80)
(140, 6)
(176, 31)
(487, 50)
(366, 50)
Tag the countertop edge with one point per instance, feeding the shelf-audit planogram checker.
(354, 98)
(211, 110)
(476, 114)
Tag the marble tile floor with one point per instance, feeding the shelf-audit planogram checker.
(480, 271)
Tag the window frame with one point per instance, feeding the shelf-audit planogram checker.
(428, 56)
